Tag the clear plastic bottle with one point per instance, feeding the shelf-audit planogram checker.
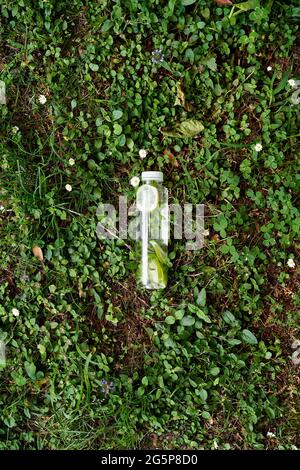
(152, 204)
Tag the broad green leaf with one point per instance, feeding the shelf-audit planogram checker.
(106, 26)
(170, 320)
(212, 64)
(117, 129)
(203, 394)
(205, 13)
(234, 342)
(122, 140)
(205, 415)
(42, 349)
(249, 5)
(282, 84)
(161, 382)
(179, 314)
(10, 422)
(188, 320)
(117, 114)
(200, 314)
(208, 270)
(229, 318)
(214, 371)
(18, 379)
(30, 369)
(188, 128)
(218, 89)
(169, 343)
(270, 412)
(248, 337)
(94, 67)
(145, 381)
(187, 2)
(201, 299)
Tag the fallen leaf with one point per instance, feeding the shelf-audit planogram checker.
(180, 99)
(223, 3)
(188, 128)
(215, 237)
(37, 251)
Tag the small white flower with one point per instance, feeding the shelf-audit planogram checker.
(42, 99)
(71, 161)
(2, 208)
(258, 147)
(271, 434)
(269, 68)
(68, 187)
(135, 181)
(15, 312)
(291, 263)
(143, 153)
(15, 129)
(292, 83)
(206, 232)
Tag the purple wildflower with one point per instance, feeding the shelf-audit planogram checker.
(106, 386)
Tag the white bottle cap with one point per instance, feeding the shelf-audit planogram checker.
(152, 175)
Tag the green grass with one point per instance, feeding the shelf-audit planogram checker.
(205, 363)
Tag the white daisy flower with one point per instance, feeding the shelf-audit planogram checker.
(15, 129)
(206, 232)
(291, 263)
(15, 312)
(42, 99)
(68, 187)
(2, 208)
(292, 83)
(71, 161)
(258, 147)
(269, 68)
(143, 153)
(135, 181)
(271, 434)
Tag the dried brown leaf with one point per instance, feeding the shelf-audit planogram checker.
(38, 253)
(180, 99)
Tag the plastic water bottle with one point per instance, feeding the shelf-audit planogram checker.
(152, 204)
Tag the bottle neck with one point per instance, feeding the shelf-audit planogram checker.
(149, 181)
